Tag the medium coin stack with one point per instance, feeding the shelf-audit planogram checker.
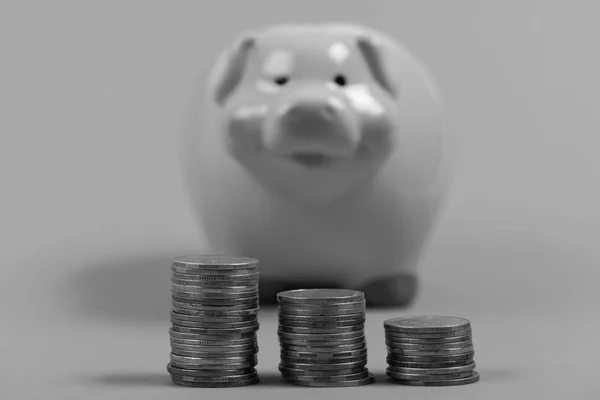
(430, 351)
(214, 321)
(321, 336)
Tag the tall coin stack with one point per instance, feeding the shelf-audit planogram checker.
(215, 320)
(430, 351)
(321, 335)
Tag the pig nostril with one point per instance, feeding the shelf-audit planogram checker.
(340, 80)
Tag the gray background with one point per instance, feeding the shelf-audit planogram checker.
(92, 210)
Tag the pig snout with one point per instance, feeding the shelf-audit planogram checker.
(312, 128)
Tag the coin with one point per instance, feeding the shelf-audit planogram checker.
(214, 261)
(323, 349)
(232, 348)
(428, 341)
(221, 312)
(182, 306)
(215, 343)
(474, 377)
(323, 367)
(433, 371)
(214, 367)
(302, 330)
(216, 279)
(320, 296)
(216, 332)
(395, 336)
(315, 361)
(214, 325)
(206, 336)
(393, 346)
(429, 364)
(311, 307)
(427, 377)
(216, 379)
(321, 336)
(318, 318)
(321, 324)
(179, 381)
(248, 302)
(433, 353)
(323, 355)
(209, 373)
(213, 355)
(210, 318)
(291, 370)
(357, 382)
(328, 378)
(426, 324)
(231, 290)
(321, 343)
(434, 358)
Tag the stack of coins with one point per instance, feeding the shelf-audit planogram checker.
(321, 335)
(430, 351)
(214, 321)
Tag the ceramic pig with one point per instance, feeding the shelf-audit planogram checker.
(319, 149)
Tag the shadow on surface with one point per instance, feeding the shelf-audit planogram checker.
(132, 379)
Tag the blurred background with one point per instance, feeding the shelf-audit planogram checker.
(91, 100)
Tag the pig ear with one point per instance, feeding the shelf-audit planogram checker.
(374, 54)
(230, 68)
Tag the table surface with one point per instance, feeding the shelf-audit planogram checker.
(101, 332)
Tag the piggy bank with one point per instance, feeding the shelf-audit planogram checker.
(319, 149)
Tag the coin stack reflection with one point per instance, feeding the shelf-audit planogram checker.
(321, 336)
(214, 321)
(430, 351)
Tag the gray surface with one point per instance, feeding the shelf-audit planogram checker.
(91, 208)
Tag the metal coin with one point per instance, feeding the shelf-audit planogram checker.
(326, 350)
(203, 318)
(214, 261)
(317, 318)
(223, 302)
(428, 347)
(311, 307)
(179, 305)
(292, 371)
(324, 296)
(315, 361)
(429, 341)
(221, 349)
(396, 336)
(209, 373)
(433, 371)
(321, 336)
(323, 367)
(214, 343)
(216, 290)
(217, 379)
(474, 377)
(330, 378)
(214, 325)
(425, 377)
(214, 367)
(178, 381)
(403, 358)
(219, 313)
(321, 324)
(358, 382)
(213, 295)
(426, 324)
(310, 331)
(211, 361)
(215, 355)
(433, 353)
(216, 332)
(321, 343)
(429, 364)
(217, 279)
(323, 355)
(204, 336)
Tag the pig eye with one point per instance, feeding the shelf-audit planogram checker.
(281, 80)
(340, 80)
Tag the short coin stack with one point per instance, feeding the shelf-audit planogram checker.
(430, 351)
(215, 319)
(321, 335)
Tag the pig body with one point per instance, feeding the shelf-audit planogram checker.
(319, 149)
